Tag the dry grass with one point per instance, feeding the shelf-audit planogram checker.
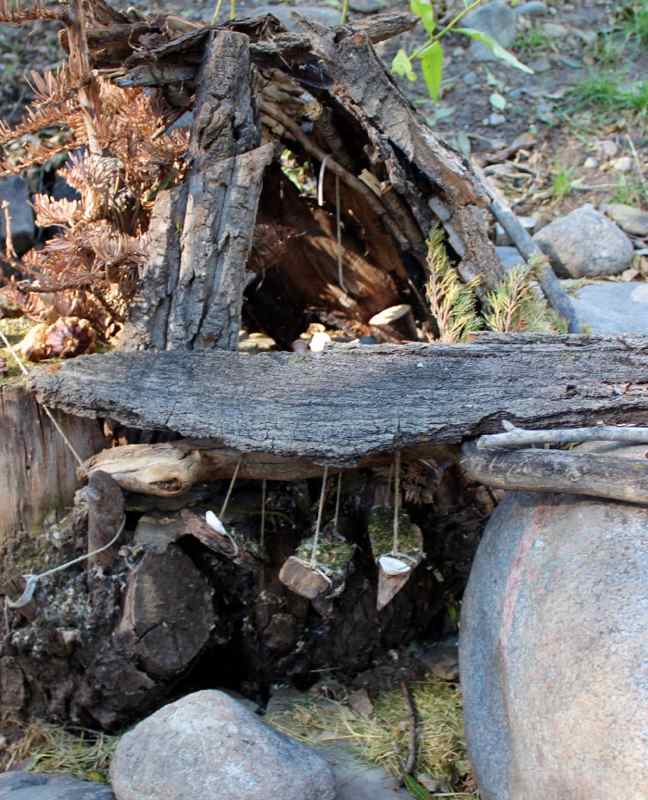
(382, 738)
(50, 748)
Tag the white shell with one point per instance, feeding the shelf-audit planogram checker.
(319, 342)
(214, 523)
(393, 566)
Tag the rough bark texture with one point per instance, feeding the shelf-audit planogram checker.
(37, 474)
(201, 233)
(347, 403)
(558, 471)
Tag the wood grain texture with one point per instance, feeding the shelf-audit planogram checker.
(350, 402)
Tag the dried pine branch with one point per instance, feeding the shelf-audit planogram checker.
(14, 13)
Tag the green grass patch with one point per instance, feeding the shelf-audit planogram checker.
(14, 330)
(635, 21)
(532, 42)
(562, 183)
(630, 191)
(606, 92)
(383, 737)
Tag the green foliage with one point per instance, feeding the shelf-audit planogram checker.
(517, 306)
(606, 92)
(630, 191)
(531, 42)
(562, 183)
(430, 53)
(635, 21)
(453, 304)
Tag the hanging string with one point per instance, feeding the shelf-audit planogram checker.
(263, 511)
(397, 500)
(338, 225)
(32, 580)
(229, 490)
(318, 525)
(337, 503)
(58, 428)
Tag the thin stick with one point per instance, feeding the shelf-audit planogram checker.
(313, 561)
(344, 16)
(229, 490)
(320, 181)
(519, 437)
(264, 486)
(58, 428)
(410, 765)
(10, 252)
(635, 155)
(397, 500)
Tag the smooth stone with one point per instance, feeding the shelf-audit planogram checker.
(357, 780)
(208, 745)
(15, 191)
(623, 164)
(41, 786)
(498, 20)
(633, 220)
(510, 257)
(608, 148)
(554, 625)
(590, 163)
(496, 119)
(611, 307)
(287, 15)
(585, 244)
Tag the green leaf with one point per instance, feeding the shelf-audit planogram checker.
(402, 65)
(425, 12)
(415, 789)
(496, 48)
(432, 66)
(497, 101)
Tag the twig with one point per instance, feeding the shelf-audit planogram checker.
(318, 525)
(635, 155)
(519, 437)
(410, 765)
(10, 252)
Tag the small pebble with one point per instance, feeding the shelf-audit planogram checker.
(608, 148)
(591, 163)
(623, 164)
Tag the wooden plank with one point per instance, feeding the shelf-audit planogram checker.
(347, 403)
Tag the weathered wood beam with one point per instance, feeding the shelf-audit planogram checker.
(589, 474)
(352, 402)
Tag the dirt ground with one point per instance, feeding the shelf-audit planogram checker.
(572, 145)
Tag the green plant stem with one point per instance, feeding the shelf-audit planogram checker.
(217, 10)
(438, 36)
(232, 9)
(345, 12)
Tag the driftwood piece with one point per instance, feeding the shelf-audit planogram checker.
(515, 438)
(192, 286)
(558, 471)
(349, 403)
(170, 469)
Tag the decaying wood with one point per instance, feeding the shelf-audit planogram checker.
(349, 403)
(106, 510)
(201, 233)
(37, 473)
(304, 580)
(515, 438)
(558, 471)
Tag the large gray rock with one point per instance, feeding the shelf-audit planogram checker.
(585, 244)
(39, 786)
(356, 780)
(209, 746)
(287, 15)
(633, 220)
(611, 308)
(499, 20)
(554, 648)
(15, 191)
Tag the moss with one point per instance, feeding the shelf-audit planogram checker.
(381, 533)
(333, 553)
